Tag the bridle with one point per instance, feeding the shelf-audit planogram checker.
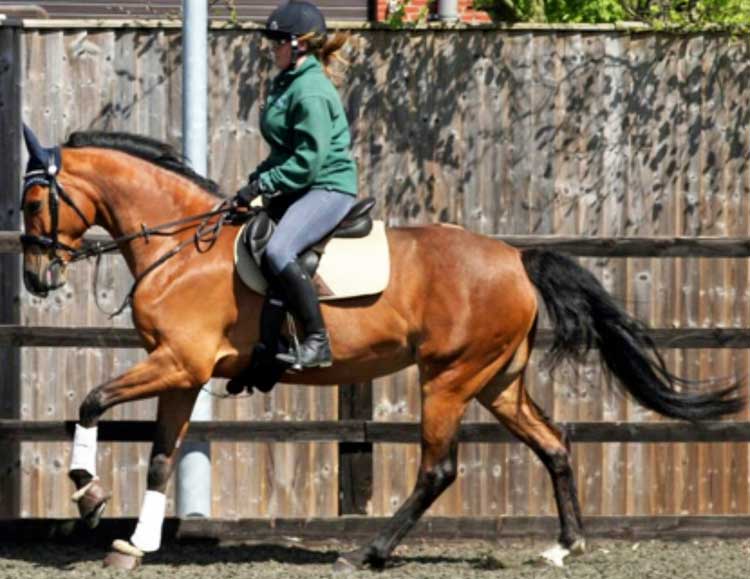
(48, 178)
(204, 238)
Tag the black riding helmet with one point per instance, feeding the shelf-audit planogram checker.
(294, 19)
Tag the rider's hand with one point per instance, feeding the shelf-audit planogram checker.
(247, 193)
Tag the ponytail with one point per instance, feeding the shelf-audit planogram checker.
(326, 48)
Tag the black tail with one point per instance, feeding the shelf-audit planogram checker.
(585, 315)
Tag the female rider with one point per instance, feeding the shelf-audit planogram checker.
(309, 176)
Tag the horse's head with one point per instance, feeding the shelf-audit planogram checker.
(54, 221)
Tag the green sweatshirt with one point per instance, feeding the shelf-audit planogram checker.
(305, 124)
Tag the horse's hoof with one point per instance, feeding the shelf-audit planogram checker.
(237, 386)
(123, 556)
(92, 519)
(578, 547)
(121, 561)
(343, 565)
(363, 558)
(92, 500)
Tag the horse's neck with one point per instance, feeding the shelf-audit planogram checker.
(141, 195)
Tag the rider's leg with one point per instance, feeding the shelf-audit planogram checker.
(272, 318)
(305, 222)
(315, 349)
(264, 370)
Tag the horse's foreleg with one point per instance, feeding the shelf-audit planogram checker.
(441, 416)
(173, 418)
(517, 411)
(157, 374)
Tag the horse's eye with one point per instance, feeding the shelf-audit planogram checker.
(33, 206)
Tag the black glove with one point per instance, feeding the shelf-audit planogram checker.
(247, 193)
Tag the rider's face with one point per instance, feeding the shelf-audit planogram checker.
(282, 53)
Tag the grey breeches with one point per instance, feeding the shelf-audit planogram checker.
(308, 220)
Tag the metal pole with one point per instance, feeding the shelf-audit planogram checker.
(448, 10)
(194, 468)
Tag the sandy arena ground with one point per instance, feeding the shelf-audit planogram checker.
(706, 559)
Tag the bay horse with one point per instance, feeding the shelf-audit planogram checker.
(461, 306)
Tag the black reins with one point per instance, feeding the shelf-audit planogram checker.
(204, 237)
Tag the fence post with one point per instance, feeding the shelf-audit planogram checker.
(10, 265)
(355, 458)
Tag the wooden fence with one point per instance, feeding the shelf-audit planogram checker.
(356, 438)
(593, 141)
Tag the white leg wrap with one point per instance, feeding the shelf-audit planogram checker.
(147, 536)
(83, 456)
(555, 555)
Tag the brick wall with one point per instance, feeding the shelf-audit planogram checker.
(415, 7)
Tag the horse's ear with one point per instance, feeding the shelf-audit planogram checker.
(33, 146)
(40, 157)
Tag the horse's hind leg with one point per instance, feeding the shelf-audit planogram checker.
(511, 404)
(442, 410)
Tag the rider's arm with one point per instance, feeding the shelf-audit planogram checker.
(264, 165)
(311, 137)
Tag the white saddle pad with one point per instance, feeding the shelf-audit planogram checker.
(348, 268)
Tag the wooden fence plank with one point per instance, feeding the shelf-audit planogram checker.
(636, 246)
(50, 336)
(359, 431)
(355, 458)
(735, 247)
(102, 337)
(10, 194)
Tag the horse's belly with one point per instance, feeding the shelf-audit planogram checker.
(351, 371)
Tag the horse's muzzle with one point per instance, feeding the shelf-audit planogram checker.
(51, 278)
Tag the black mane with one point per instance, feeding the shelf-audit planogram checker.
(144, 148)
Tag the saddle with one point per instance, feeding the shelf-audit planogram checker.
(351, 261)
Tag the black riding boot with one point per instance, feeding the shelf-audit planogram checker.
(272, 318)
(265, 370)
(315, 349)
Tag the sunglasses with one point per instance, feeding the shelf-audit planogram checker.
(278, 41)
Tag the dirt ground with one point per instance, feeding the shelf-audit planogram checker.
(606, 559)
